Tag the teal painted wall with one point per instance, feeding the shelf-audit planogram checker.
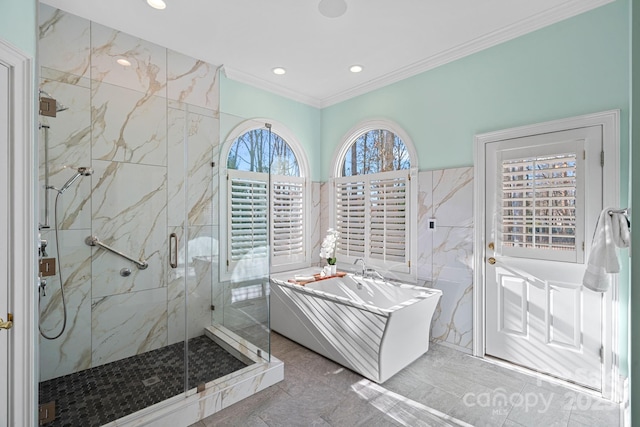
(239, 102)
(574, 67)
(18, 24)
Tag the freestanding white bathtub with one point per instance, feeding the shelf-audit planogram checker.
(370, 326)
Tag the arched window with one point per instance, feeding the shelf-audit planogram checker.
(266, 198)
(375, 198)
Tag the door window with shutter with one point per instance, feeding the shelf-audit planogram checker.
(375, 202)
(266, 218)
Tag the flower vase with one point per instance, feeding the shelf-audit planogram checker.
(333, 270)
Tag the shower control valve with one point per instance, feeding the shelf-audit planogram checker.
(42, 285)
(43, 248)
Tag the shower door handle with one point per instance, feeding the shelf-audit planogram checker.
(173, 250)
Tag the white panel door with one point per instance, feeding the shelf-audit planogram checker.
(543, 198)
(4, 225)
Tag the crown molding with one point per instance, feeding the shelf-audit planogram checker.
(566, 10)
(246, 78)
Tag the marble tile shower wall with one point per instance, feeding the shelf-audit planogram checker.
(130, 125)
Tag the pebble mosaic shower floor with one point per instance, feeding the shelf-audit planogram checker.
(99, 395)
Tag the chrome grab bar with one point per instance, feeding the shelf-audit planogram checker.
(94, 241)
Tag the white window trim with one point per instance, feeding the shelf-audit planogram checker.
(412, 231)
(303, 165)
(366, 126)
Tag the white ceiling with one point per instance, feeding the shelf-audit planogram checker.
(392, 39)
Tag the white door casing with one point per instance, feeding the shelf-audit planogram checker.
(538, 213)
(543, 286)
(4, 224)
(19, 240)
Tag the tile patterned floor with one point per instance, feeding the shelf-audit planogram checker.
(99, 395)
(318, 392)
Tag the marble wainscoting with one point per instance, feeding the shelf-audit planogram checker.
(445, 255)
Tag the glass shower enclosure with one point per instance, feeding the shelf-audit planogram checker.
(133, 310)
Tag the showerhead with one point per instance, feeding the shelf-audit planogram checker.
(82, 171)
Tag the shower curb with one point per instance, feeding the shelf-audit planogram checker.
(193, 406)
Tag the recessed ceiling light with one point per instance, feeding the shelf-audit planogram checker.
(332, 8)
(123, 62)
(279, 71)
(157, 4)
(355, 68)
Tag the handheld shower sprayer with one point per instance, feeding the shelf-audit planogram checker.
(82, 171)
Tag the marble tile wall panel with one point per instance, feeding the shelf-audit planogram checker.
(129, 214)
(453, 320)
(69, 147)
(192, 81)
(200, 130)
(148, 70)
(324, 220)
(425, 235)
(453, 197)
(202, 261)
(452, 253)
(64, 42)
(453, 274)
(128, 125)
(128, 324)
(72, 351)
(314, 216)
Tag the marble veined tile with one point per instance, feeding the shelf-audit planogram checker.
(192, 81)
(200, 133)
(452, 253)
(425, 235)
(453, 197)
(70, 352)
(128, 324)
(453, 319)
(64, 41)
(129, 214)
(128, 126)
(314, 217)
(147, 72)
(67, 140)
(195, 272)
(324, 219)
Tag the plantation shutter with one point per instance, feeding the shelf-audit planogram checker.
(287, 220)
(372, 218)
(351, 205)
(247, 217)
(538, 207)
(389, 217)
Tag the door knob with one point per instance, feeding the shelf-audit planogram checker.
(492, 246)
(492, 260)
(8, 324)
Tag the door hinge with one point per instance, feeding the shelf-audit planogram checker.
(583, 246)
(601, 353)
(602, 158)
(409, 264)
(227, 263)
(584, 154)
